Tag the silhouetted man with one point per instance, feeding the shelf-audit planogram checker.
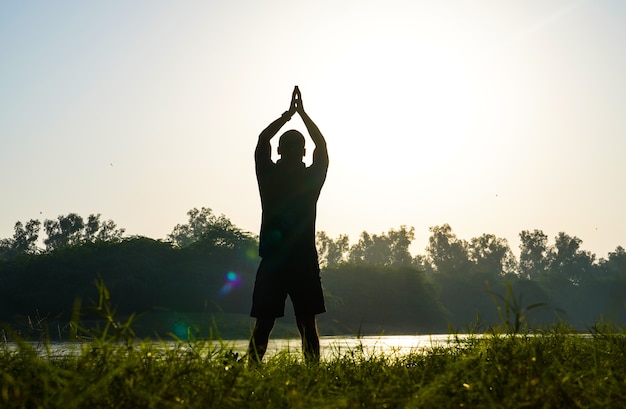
(289, 264)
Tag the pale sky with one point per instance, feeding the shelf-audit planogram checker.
(492, 116)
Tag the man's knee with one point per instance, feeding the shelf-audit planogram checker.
(264, 325)
(307, 323)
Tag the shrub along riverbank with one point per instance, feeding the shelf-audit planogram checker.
(552, 369)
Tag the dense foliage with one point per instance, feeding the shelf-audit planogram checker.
(205, 271)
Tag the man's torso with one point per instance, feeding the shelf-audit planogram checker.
(289, 198)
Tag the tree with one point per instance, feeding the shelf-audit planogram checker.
(204, 226)
(400, 241)
(373, 298)
(71, 230)
(615, 265)
(446, 252)
(5, 249)
(24, 240)
(64, 231)
(491, 254)
(613, 277)
(533, 261)
(332, 252)
(422, 263)
(95, 230)
(384, 249)
(567, 259)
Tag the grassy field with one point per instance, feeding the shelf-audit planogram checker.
(551, 369)
(554, 368)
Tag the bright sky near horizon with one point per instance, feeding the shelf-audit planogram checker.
(492, 116)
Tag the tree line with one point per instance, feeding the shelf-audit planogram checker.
(481, 282)
(446, 254)
(63, 231)
(208, 265)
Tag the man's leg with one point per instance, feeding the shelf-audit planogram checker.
(260, 338)
(307, 325)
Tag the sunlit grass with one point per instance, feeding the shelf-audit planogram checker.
(549, 369)
(554, 368)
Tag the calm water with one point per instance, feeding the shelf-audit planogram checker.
(389, 344)
(330, 346)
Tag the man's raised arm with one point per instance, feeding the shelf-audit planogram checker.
(263, 152)
(320, 154)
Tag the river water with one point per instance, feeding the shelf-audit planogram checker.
(391, 345)
(331, 346)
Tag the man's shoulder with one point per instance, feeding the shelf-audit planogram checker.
(264, 166)
(317, 169)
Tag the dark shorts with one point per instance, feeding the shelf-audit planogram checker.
(275, 280)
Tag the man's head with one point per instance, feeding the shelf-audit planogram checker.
(291, 146)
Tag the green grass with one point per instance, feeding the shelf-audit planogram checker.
(552, 369)
(547, 369)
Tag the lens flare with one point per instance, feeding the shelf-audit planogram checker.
(181, 330)
(233, 280)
